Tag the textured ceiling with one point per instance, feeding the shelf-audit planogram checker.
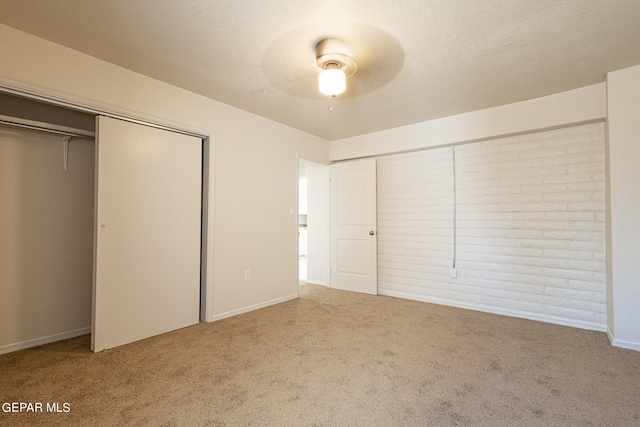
(417, 60)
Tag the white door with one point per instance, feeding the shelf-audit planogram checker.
(354, 264)
(147, 243)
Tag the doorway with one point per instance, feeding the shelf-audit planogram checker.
(313, 221)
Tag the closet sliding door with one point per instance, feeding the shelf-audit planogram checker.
(148, 229)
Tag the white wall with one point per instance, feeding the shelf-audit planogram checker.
(46, 243)
(255, 161)
(624, 198)
(530, 226)
(582, 105)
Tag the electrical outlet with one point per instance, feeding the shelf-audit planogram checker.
(453, 273)
(247, 275)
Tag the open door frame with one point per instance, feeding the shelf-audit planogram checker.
(301, 157)
(206, 251)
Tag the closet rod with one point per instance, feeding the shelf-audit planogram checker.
(41, 127)
(66, 132)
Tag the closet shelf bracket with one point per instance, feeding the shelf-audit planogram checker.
(65, 151)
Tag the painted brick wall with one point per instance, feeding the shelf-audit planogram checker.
(530, 226)
(415, 222)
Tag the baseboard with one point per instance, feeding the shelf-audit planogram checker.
(496, 310)
(610, 335)
(9, 348)
(252, 308)
(629, 345)
(316, 282)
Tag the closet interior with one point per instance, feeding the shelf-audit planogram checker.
(46, 222)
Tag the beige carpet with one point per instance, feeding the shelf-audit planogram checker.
(336, 358)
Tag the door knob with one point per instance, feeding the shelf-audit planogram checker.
(371, 233)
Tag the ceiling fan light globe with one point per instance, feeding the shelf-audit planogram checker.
(332, 82)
